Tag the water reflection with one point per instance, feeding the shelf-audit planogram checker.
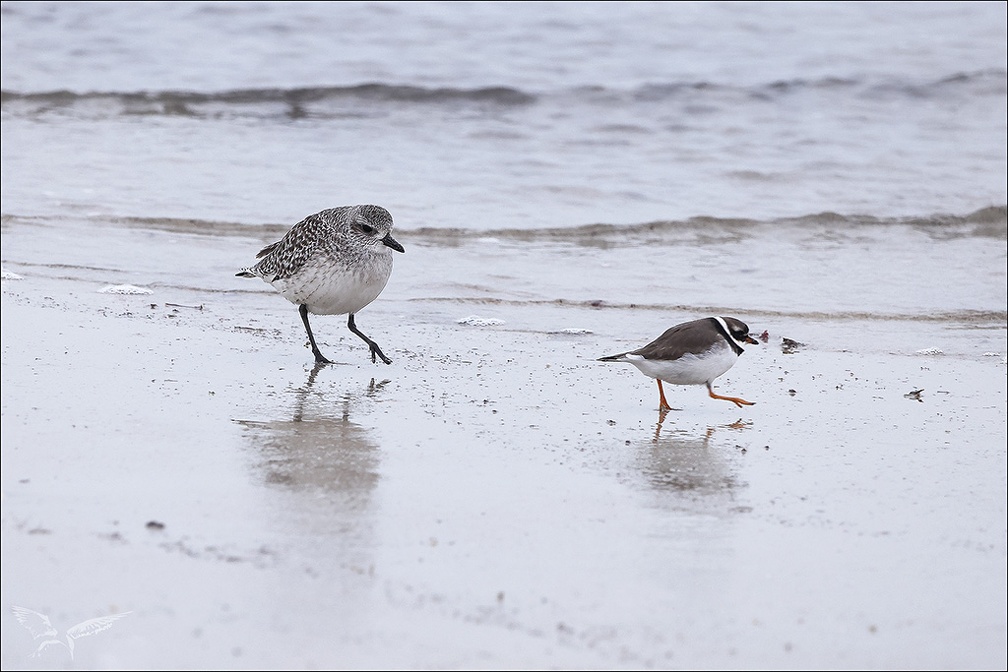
(320, 451)
(698, 462)
(319, 470)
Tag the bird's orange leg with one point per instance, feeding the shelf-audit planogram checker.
(735, 400)
(663, 405)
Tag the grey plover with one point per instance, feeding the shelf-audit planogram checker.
(692, 353)
(334, 262)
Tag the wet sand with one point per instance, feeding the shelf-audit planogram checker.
(495, 498)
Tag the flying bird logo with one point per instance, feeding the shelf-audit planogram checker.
(47, 636)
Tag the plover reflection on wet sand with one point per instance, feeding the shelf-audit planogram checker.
(334, 262)
(691, 353)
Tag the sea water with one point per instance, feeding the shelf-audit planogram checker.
(846, 143)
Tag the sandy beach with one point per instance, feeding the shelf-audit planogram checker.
(495, 498)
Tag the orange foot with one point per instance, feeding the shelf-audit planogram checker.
(735, 400)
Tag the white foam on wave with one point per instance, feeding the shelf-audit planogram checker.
(477, 321)
(125, 289)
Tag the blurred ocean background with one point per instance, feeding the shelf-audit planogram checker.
(856, 142)
(504, 115)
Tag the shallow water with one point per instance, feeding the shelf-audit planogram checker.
(499, 116)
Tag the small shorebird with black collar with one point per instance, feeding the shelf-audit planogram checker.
(692, 353)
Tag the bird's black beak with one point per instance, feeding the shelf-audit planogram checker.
(750, 339)
(392, 242)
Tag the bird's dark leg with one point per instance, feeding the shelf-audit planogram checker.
(319, 358)
(735, 400)
(375, 350)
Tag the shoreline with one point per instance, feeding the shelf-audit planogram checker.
(494, 497)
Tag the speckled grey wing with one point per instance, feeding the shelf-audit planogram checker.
(686, 338)
(285, 257)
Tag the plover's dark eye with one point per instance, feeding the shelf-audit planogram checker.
(367, 228)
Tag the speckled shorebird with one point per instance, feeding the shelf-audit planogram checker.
(692, 353)
(334, 262)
